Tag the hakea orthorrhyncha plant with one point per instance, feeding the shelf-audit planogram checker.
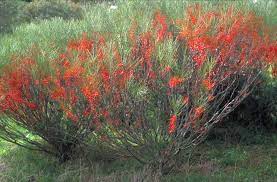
(53, 106)
(161, 97)
(188, 80)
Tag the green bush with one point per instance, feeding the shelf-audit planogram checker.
(47, 9)
(8, 14)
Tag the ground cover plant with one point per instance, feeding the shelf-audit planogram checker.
(152, 91)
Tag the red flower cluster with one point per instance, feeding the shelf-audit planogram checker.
(208, 84)
(83, 44)
(199, 50)
(172, 124)
(12, 82)
(174, 81)
(67, 81)
(160, 25)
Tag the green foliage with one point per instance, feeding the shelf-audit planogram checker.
(8, 15)
(46, 9)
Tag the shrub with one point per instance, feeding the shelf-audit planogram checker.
(151, 100)
(54, 105)
(46, 9)
(8, 14)
(186, 81)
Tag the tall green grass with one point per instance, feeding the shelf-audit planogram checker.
(213, 162)
(50, 35)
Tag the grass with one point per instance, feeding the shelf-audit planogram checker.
(52, 34)
(213, 161)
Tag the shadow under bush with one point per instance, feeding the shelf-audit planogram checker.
(256, 115)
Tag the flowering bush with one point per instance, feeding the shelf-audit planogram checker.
(58, 101)
(186, 81)
(160, 96)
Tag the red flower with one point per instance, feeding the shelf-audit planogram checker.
(63, 56)
(198, 48)
(119, 72)
(72, 45)
(74, 72)
(90, 94)
(167, 69)
(146, 46)
(191, 12)
(198, 112)
(66, 64)
(46, 81)
(174, 81)
(85, 44)
(160, 23)
(152, 75)
(32, 106)
(208, 84)
(71, 116)
(172, 124)
(271, 53)
(274, 71)
(117, 56)
(228, 39)
(105, 75)
(15, 96)
(73, 97)
(83, 56)
(73, 75)
(132, 32)
(82, 45)
(210, 98)
(59, 93)
(87, 112)
(192, 19)
(105, 113)
(185, 100)
(101, 41)
(36, 82)
(100, 54)
(199, 59)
